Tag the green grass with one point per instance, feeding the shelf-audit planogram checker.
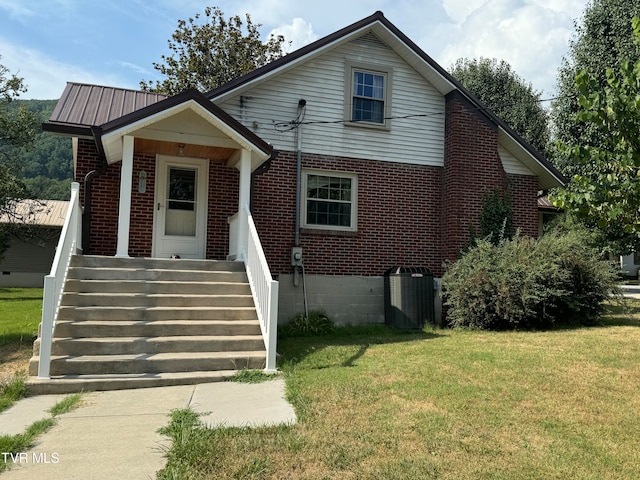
(20, 314)
(445, 404)
(15, 444)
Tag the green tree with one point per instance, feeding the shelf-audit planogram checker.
(212, 52)
(606, 192)
(603, 38)
(17, 129)
(512, 99)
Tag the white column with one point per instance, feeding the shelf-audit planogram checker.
(126, 184)
(244, 165)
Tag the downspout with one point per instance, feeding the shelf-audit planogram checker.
(88, 181)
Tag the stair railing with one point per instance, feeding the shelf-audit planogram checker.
(264, 290)
(68, 245)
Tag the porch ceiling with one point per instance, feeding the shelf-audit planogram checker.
(143, 145)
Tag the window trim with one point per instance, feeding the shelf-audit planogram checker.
(354, 200)
(352, 67)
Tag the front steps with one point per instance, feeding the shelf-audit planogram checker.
(133, 323)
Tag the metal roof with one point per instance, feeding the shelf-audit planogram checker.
(48, 213)
(93, 105)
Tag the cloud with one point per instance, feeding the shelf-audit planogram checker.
(527, 35)
(299, 33)
(459, 10)
(44, 77)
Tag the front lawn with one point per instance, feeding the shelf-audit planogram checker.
(20, 314)
(446, 404)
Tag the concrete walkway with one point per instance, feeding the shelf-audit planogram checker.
(114, 434)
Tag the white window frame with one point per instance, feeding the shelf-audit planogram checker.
(387, 73)
(354, 200)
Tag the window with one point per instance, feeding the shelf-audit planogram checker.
(368, 93)
(329, 200)
(368, 97)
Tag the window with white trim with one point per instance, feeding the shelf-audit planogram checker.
(329, 200)
(368, 93)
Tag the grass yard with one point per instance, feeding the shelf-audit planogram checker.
(445, 404)
(20, 313)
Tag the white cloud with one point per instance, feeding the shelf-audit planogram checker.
(529, 35)
(459, 10)
(44, 77)
(16, 8)
(299, 33)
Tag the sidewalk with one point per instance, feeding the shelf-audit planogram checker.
(114, 434)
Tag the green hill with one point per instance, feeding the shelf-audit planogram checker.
(46, 167)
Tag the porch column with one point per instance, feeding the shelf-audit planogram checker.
(126, 184)
(244, 165)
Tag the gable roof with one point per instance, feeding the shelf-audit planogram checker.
(107, 113)
(443, 81)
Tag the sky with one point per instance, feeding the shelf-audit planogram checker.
(115, 42)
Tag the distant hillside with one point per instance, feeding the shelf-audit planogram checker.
(47, 167)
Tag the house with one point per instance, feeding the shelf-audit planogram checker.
(355, 154)
(33, 245)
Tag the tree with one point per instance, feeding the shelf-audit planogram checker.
(509, 96)
(211, 53)
(603, 39)
(17, 129)
(606, 194)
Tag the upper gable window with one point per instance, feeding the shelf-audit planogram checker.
(369, 94)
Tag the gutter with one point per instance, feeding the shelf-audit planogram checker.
(88, 182)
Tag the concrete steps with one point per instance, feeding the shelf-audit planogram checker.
(132, 323)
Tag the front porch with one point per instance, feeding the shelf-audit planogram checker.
(158, 178)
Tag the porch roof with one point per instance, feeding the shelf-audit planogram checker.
(107, 113)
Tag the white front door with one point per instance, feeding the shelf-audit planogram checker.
(180, 214)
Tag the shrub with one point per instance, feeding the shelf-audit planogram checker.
(526, 283)
(316, 323)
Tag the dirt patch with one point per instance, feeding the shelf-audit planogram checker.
(14, 359)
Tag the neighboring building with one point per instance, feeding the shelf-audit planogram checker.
(30, 254)
(390, 154)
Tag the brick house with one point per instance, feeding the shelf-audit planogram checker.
(357, 151)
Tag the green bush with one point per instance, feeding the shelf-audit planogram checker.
(525, 283)
(316, 323)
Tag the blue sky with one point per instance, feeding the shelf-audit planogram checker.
(115, 42)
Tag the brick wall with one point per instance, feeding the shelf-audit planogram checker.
(524, 198)
(399, 209)
(472, 166)
(104, 199)
(224, 184)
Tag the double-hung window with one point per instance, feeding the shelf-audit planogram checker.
(369, 96)
(329, 200)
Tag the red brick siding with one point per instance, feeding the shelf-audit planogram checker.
(142, 206)
(104, 199)
(399, 209)
(524, 195)
(472, 166)
(224, 184)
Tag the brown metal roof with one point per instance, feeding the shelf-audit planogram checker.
(93, 105)
(545, 204)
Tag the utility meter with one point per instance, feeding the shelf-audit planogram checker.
(296, 257)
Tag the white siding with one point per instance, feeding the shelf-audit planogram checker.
(321, 82)
(511, 164)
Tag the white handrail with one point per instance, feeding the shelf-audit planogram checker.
(69, 243)
(264, 290)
